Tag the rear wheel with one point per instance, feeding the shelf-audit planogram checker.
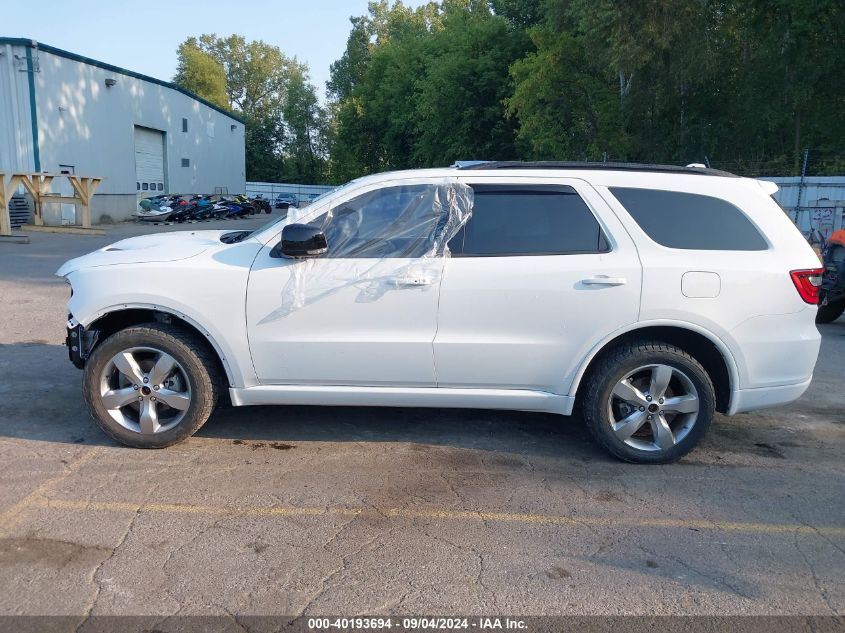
(151, 385)
(830, 312)
(648, 402)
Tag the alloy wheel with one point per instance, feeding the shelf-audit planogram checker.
(145, 390)
(653, 407)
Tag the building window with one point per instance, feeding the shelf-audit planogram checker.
(186, 162)
(184, 125)
(145, 187)
(138, 186)
(161, 186)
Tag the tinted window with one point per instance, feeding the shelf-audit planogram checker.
(528, 220)
(186, 162)
(690, 221)
(184, 125)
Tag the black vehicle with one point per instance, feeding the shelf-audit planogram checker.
(832, 291)
(261, 204)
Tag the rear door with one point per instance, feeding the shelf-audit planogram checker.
(542, 272)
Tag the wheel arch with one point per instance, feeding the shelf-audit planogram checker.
(120, 317)
(704, 346)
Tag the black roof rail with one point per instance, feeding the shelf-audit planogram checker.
(515, 164)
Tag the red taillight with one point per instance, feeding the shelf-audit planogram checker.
(807, 283)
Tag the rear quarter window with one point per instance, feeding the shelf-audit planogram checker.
(690, 221)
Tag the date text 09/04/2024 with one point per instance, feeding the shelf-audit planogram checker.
(416, 623)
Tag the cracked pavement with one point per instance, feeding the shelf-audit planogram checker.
(292, 510)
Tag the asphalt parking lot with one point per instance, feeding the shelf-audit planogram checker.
(289, 510)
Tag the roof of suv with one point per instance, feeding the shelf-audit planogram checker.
(688, 169)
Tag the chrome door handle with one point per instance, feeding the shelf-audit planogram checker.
(412, 281)
(604, 280)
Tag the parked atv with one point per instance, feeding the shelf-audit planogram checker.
(261, 204)
(832, 291)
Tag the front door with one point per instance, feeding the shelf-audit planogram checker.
(539, 274)
(364, 314)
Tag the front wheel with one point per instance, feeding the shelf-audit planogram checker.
(150, 386)
(648, 402)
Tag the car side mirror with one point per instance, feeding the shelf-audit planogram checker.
(303, 240)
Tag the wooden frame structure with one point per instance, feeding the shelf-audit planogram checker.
(38, 185)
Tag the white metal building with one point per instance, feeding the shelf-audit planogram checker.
(61, 112)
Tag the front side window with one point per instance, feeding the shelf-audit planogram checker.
(392, 222)
(690, 221)
(513, 220)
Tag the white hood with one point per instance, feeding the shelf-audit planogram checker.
(160, 247)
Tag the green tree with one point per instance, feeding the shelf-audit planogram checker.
(565, 109)
(285, 126)
(200, 73)
(257, 73)
(349, 70)
(265, 161)
(520, 13)
(373, 122)
(790, 88)
(305, 130)
(746, 84)
(422, 87)
(459, 111)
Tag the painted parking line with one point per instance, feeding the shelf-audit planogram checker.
(444, 515)
(12, 515)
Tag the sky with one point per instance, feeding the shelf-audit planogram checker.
(143, 36)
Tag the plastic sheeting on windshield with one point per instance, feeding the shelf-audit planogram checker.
(383, 240)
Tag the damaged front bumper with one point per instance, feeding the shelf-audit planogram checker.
(79, 342)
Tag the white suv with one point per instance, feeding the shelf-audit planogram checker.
(646, 296)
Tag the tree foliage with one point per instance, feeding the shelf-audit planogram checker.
(200, 73)
(743, 84)
(420, 87)
(272, 92)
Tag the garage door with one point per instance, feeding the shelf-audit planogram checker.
(149, 160)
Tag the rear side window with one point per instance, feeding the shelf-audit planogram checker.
(528, 220)
(690, 221)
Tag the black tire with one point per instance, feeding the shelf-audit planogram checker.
(830, 312)
(612, 367)
(191, 352)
